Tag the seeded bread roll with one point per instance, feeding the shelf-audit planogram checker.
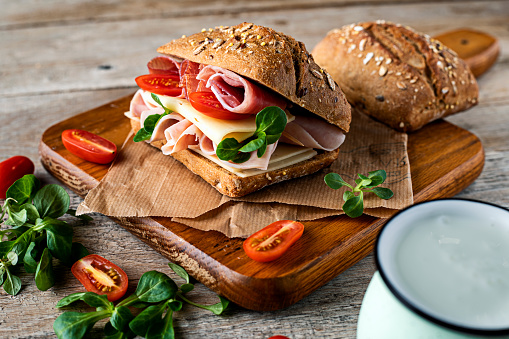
(272, 59)
(398, 76)
(230, 184)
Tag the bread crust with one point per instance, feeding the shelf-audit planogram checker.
(402, 78)
(232, 185)
(272, 59)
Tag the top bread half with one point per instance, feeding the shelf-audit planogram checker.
(272, 59)
(402, 78)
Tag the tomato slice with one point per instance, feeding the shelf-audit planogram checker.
(271, 242)
(207, 103)
(89, 146)
(101, 276)
(160, 84)
(13, 169)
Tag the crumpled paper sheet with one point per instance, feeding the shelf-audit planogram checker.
(144, 182)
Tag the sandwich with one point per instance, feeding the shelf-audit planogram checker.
(241, 106)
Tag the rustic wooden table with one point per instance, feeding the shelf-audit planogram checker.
(59, 58)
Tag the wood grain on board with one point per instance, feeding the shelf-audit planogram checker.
(444, 160)
(478, 49)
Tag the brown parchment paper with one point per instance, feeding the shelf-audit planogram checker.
(144, 182)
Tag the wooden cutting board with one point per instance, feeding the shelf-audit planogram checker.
(444, 159)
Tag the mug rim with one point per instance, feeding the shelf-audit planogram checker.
(411, 306)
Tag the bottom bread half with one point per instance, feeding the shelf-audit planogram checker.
(232, 185)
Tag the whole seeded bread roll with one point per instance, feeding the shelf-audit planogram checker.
(400, 77)
(270, 58)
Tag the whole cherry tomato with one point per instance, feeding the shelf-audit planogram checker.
(271, 242)
(13, 169)
(101, 276)
(89, 146)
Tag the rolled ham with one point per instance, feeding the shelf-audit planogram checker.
(138, 105)
(237, 94)
(313, 132)
(163, 65)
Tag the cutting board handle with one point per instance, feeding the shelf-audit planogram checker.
(478, 49)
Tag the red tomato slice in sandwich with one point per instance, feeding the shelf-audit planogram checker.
(207, 103)
(271, 242)
(89, 146)
(160, 84)
(100, 276)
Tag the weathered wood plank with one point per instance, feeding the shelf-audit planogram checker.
(58, 12)
(110, 54)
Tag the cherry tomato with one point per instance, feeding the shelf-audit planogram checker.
(100, 276)
(89, 146)
(160, 84)
(279, 337)
(271, 242)
(13, 169)
(207, 103)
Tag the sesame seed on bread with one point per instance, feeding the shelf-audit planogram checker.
(400, 77)
(272, 59)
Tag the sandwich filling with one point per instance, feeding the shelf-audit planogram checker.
(207, 109)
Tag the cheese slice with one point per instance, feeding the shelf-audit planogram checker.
(215, 129)
(285, 155)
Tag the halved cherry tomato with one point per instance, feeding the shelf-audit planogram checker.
(207, 103)
(160, 84)
(11, 170)
(271, 242)
(100, 276)
(89, 146)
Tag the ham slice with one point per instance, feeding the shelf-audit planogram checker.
(165, 122)
(313, 132)
(188, 72)
(138, 104)
(237, 94)
(181, 136)
(163, 65)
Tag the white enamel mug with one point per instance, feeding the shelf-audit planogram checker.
(443, 272)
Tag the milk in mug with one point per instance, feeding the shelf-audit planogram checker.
(457, 266)
(443, 272)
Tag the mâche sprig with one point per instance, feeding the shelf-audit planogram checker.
(37, 235)
(270, 124)
(354, 199)
(157, 294)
